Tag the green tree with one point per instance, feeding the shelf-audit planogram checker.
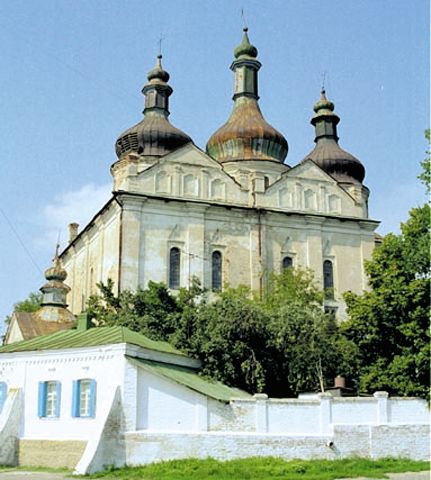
(307, 349)
(152, 311)
(229, 336)
(389, 324)
(281, 344)
(425, 176)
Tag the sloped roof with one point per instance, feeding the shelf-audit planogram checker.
(31, 325)
(189, 378)
(88, 338)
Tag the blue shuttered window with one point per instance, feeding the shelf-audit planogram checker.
(49, 399)
(75, 398)
(41, 403)
(84, 398)
(92, 398)
(3, 394)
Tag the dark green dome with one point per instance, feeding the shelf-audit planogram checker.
(245, 47)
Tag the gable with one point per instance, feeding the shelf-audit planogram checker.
(189, 173)
(307, 188)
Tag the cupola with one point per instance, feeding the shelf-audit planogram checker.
(154, 135)
(55, 290)
(246, 135)
(327, 154)
(54, 305)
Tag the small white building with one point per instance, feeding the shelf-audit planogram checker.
(87, 399)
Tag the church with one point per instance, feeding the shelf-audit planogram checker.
(229, 215)
(76, 396)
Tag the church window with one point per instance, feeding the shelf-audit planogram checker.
(266, 182)
(328, 279)
(216, 283)
(287, 262)
(84, 398)
(3, 394)
(174, 268)
(49, 399)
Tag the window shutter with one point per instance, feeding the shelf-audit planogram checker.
(92, 398)
(75, 399)
(41, 405)
(57, 398)
(3, 394)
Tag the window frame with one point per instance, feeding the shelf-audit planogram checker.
(174, 276)
(77, 398)
(328, 279)
(45, 396)
(216, 270)
(283, 261)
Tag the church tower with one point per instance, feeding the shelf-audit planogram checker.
(154, 136)
(250, 149)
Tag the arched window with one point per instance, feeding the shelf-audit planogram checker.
(216, 270)
(266, 182)
(287, 262)
(328, 279)
(174, 268)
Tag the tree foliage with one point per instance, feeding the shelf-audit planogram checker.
(281, 344)
(389, 324)
(425, 175)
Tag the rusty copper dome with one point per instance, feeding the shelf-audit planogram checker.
(154, 135)
(327, 154)
(246, 135)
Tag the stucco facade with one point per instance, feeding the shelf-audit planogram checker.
(187, 200)
(238, 199)
(142, 415)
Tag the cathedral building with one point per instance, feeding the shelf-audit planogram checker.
(229, 215)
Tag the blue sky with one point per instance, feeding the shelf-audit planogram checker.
(72, 72)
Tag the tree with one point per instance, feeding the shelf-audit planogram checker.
(306, 348)
(152, 311)
(389, 324)
(281, 344)
(425, 176)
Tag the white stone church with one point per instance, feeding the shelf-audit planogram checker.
(86, 398)
(229, 215)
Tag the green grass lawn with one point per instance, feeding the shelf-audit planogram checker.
(263, 468)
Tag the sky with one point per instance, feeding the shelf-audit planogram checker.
(72, 72)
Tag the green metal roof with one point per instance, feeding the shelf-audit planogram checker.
(189, 378)
(88, 338)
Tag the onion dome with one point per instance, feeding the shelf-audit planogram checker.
(55, 291)
(246, 135)
(327, 154)
(154, 135)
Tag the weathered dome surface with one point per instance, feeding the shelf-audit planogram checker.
(246, 135)
(55, 277)
(154, 135)
(341, 165)
(56, 272)
(327, 154)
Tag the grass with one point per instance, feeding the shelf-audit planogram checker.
(263, 468)
(8, 468)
